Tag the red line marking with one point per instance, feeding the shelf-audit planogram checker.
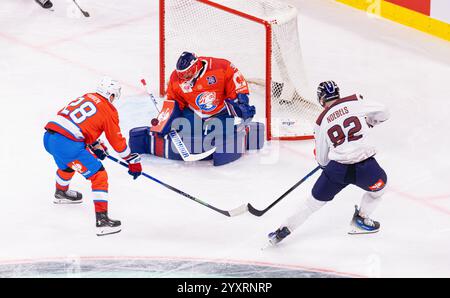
(97, 30)
(422, 200)
(66, 60)
(441, 197)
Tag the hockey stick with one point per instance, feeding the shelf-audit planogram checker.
(176, 139)
(257, 212)
(236, 211)
(85, 13)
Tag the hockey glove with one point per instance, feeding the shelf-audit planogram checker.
(134, 165)
(99, 149)
(240, 107)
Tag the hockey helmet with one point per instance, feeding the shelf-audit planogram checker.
(188, 66)
(327, 91)
(109, 87)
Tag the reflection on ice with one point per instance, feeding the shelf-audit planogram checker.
(148, 268)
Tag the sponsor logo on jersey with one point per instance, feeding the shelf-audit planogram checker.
(240, 82)
(377, 186)
(186, 87)
(206, 101)
(211, 80)
(78, 166)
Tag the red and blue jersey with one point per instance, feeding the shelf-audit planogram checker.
(206, 94)
(86, 118)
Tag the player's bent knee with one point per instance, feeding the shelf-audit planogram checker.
(99, 180)
(377, 194)
(68, 170)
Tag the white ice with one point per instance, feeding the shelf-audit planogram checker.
(49, 58)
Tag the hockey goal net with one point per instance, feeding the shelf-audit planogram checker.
(261, 38)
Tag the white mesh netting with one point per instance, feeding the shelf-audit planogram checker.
(191, 25)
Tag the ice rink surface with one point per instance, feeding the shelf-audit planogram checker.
(48, 58)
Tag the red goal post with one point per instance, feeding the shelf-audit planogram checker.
(278, 74)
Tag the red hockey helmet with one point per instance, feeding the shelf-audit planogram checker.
(187, 66)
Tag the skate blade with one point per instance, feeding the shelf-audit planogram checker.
(66, 201)
(108, 230)
(270, 244)
(354, 231)
(266, 246)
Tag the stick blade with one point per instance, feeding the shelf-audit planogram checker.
(200, 156)
(254, 211)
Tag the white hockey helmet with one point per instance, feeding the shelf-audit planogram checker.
(108, 87)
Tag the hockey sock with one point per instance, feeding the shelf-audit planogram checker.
(63, 179)
(369, 202)
(310, 206)
(99, 183)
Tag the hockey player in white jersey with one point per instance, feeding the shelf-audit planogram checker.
(343, 152)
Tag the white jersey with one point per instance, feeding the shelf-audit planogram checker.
(341, 130)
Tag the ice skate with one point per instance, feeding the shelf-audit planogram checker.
(278, 235)
(106, 225)
(361, 225)
(67, 197)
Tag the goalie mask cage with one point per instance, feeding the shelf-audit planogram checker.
(260, 37)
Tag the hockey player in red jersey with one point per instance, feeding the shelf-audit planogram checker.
(72, 138)
(209, 93)
(346, 157)
(209, 86)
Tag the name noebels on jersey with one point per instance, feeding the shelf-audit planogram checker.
(341, 112)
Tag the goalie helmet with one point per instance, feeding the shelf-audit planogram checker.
(188, 65)
(327, 91)
(109, 87)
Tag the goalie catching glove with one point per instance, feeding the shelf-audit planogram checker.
(134, 165)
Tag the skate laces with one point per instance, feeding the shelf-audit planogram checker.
(369, 222)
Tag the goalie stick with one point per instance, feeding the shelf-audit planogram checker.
(176, 139)
(236, 211)
(257, 212)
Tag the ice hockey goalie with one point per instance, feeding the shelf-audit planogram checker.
(205, 96)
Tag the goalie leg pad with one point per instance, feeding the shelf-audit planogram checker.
(143, 141)
(255, 138)
(229, 148)
(139, 140)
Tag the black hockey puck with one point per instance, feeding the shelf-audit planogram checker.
(154, 122)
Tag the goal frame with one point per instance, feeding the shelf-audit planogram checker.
(268, 59)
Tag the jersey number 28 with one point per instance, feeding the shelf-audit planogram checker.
(337, 135)
(79, 113)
